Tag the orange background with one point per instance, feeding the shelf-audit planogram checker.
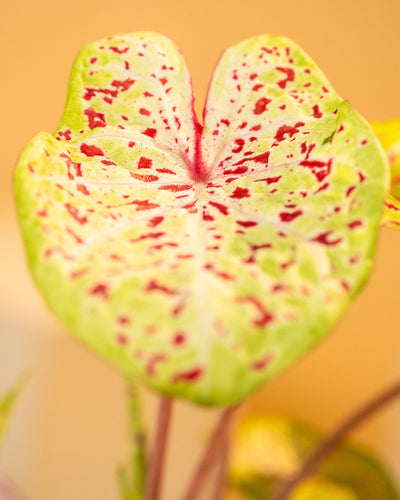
(69, 430)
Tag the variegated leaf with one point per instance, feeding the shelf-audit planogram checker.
(268, 450)
(204, 261)
(388, 133)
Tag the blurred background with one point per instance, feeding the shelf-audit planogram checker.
(69, 430)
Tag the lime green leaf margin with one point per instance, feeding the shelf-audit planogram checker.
(388, 133)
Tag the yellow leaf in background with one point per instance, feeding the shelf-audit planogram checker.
(267, 450)
(388, 133)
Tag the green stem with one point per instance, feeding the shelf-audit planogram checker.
(335, 437)
(132, 480)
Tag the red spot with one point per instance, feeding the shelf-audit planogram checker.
(289, 76)
(165, 171)
(95, 119)
(261, 363)
(108, 162)
(75, 213)
(93, 60)
(270, 180)
(222, 208)
(316, 112)
(289, 216)
(123, 320)
(345, 285)
(221, 274)
(155, 221)
(175, 187)
(91, 150)
(258, 86)
(151, 132)
(101, 290)
(323, 239)
(144, 112)
(256, 127)
(153, 285)
(261, 105)
(153, 362)
(287, 130)
(123, 85)
(66, 134)
(82, 189)
(350, 190)
(144, 205)
(207, 216)
(246, 223)
(240, 193)
(253, 75)
(144, 177)
(239, 145)
(243, 125)
(145, 162)
(163, 80)
(122, 339)
(118, 50)
(262, 158)
(353, 224)
(147, 236)
(72, 165)
(225, 122)
(319, 168)
(265, 318)
(188, 376)
(179, 338)
(147, 94)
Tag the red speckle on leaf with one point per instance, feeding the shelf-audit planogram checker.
(316, 112)
(262, 363)
(319, 168)
(154, 286)
(145, 162)
(77, 239)
(353, 224)
(289, 72)
(150, 132)
(75, 214)
(238, 170)
(179, 339)
(147, 236)
(100, 290)
(123, 85)
(72, 165)
(221, 208)
(188, 376)
(246, 223)
(258, 86)
(83, 189)
(66, 134)
(287, 130)
(240, 193)
(265, 317)
(144, 112)
(91, 150)
(350, 190)
(323, 239)
(144, 205)
(239, 145)
(176, 187)
(153, 362)
(155, 221)
(269, 180)
(289, 216)
(243, 125)
(144, 177)
(119, 50)
(163, 80)
(95, 119)
(261, 105)
(225, 122)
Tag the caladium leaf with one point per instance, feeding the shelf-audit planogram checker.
(203, 260)
(269, 449)
(388, 133)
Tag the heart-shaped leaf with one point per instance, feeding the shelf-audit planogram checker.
(388, 133)
(269, 449)
(203, 260)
